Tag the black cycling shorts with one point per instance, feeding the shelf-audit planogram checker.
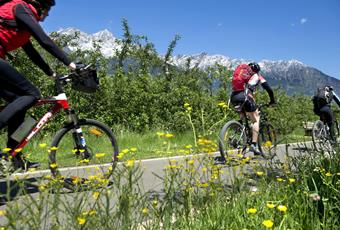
(245, 102)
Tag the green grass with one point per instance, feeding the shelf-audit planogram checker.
(149, 145)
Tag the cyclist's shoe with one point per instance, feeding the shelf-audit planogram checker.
(219, 160)
(255, 150)
(20, 162)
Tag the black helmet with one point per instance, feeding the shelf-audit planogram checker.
(255, 67)
(44, 4)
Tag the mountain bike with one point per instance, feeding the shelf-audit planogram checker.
(236, 136)
(321, 137)
(79, 141)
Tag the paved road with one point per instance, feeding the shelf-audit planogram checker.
(152, 167)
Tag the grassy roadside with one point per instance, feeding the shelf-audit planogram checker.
(151, 144)
(196, 196)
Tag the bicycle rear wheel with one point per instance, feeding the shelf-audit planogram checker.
(267, 141)
(232, 139)
(320, 138)
(93, 152)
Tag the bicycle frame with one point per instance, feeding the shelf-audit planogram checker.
(59, 102)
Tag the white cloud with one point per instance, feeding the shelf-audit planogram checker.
(303, 21)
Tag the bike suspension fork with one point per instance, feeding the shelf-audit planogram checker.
(77, 132)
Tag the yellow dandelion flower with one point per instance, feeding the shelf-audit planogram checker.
(53, 166)
(260, 173)
(92, 212)
(85, 161)
(96, 131)
(54, 148)
(279, 179)
(42, 145)
(100, 155)
(204, 169)
(2, 212)
(328, 174)
(95, 195)
(120, 156)
(169, 135)
(188, 146)
(130, 163)
(81, 220)
(133, 150)
(186, 105)
(221, 104)
(204, 185)
(268, 223)
(42, 187)
(6, 150)
(160, 134)
(270, 205)
(125, 151)
(191, 162)
(338, 174)
(268, 144)
(252, 211)
(282, 208)
(48, 177)
(145, 211)
(189, 109)
(291, 180)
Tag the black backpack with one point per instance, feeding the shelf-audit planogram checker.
(323, 95)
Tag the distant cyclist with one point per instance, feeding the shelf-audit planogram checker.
(322, 106)
(19, 20)
(246, 78)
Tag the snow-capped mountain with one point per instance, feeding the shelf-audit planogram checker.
(104, 38)
(292, 75)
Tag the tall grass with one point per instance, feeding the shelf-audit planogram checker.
(196, 194)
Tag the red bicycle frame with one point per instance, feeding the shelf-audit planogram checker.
(59, 102)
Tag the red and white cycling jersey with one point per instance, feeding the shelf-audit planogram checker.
(244, 77)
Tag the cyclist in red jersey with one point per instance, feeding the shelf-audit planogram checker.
(19, 20)
(246, 78)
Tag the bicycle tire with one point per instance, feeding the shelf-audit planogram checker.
(267, 141)
(92, 130)
(236, 141)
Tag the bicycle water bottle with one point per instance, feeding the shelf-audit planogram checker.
(24, 129)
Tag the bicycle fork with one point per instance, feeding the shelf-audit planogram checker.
(80, 147)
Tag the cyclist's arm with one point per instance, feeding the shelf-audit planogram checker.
(24, 18)
(33, 54)
(336, 99)
(270, 92)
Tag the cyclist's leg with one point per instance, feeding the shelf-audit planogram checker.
(16, 90)
(254, 115)
(20, 95)
(328, 118)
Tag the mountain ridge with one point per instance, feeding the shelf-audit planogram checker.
(292, 76)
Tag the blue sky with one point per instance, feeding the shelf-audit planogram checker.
(305, 30)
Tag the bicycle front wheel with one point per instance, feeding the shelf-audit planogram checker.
(91, 147)
(232, 139)
(267, 141)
